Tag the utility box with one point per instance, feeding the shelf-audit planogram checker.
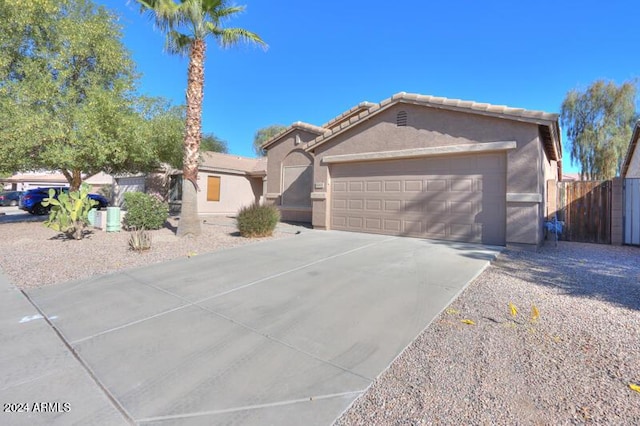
(113, 219)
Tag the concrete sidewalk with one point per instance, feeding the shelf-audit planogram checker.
(281, 332)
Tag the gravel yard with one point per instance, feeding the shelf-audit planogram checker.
(34, 256)
(571, 366)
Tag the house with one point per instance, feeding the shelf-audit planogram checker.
(29, 180)
(421, 166)
(629, 207)
(229, 182)
(631, 163)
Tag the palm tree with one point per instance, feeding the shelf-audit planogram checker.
(187, 24)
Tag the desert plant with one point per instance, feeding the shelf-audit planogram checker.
(257, 220)
(69, 211)
(144, 211)
(140, 240)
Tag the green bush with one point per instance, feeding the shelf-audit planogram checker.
(144, 211)
(257, 220)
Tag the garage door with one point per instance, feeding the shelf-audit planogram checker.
(458, 198)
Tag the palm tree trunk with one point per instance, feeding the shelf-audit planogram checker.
(189, 221)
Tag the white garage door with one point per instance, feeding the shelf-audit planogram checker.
(458, 198)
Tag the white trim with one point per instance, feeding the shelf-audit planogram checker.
(272, 196)
(421, 152)
(523, 197)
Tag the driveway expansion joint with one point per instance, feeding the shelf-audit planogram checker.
(82, 363)
(189, 303)
(252, 407)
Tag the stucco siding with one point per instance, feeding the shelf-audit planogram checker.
(236, 191)
(429, 127)
(277, 154)
(286, 161)
(634, 164)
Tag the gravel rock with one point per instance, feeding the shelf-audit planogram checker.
(573, 365)
(35, 256)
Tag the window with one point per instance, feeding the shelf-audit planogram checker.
(213, 188)
(401, 118)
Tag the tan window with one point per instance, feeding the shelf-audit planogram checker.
(213, 188)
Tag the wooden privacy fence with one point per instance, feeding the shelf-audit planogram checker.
(585, 208)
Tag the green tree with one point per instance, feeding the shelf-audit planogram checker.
(165, 126)
(263, 135)
(187, 24)
(66, 91)
(598, 122)
(211, 142)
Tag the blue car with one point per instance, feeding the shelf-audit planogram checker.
(10, 198)
(31, 200)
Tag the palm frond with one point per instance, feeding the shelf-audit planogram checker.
(228, 37)
(164, 13)
(229, 11)
(178, 43)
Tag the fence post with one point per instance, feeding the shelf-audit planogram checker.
(616, 211)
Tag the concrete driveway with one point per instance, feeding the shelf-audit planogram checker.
(283, 332)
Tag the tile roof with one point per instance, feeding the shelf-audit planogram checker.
(500, 111)
(364, 110)
(297, 125)
(234, 163)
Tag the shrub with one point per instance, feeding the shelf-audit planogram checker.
(257, 220)
(69, 212)
(144, 211)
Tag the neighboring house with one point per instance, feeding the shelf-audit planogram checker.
(570, 177)
(24, 181)
(631, 163)
(421, 166)
(229, 182)
(630, 174)
(127, 183)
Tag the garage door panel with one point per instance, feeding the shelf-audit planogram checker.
(340, 204)
(393, 206)
(392, 186)
(461, 185)
(354, 222)
(338, 221)
(339, 186)
(412, 185)
(374, 186)
(392, 225)
(454, 198)
(436, 185)
(373, 205)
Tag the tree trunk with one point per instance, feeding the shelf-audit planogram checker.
(74, 177)
(189, 221)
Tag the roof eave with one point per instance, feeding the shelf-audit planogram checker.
(298, 125)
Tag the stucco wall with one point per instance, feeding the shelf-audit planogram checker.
(431, 127)
(634, 165)
(236, 191)
(286, 153)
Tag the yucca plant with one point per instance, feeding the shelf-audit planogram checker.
(140, 240)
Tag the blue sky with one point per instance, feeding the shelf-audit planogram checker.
(326, 57)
